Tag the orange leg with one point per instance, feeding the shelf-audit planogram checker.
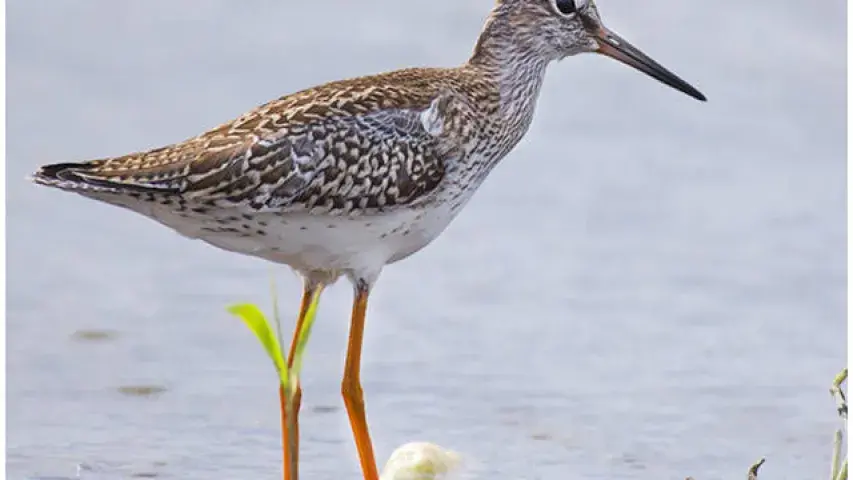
(351, 387)
(292, 462)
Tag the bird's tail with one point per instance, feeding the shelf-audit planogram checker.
(135, 173)
(66, 176)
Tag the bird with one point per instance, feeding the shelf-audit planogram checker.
(342, 179)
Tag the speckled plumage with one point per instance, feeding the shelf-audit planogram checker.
(344, 148)
(393, 155)
(350, 154)
(347, 177)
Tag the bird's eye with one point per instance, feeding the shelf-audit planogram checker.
(570, 7)
(566, 7)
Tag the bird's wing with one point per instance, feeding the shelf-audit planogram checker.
(375, 160)
(328, 149)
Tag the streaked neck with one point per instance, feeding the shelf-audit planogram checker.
(512, 61)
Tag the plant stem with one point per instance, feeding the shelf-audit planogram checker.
(288, 434)
(841, 408)
(836, 455)
(752, 474)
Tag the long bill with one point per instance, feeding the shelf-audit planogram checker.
(616, 47)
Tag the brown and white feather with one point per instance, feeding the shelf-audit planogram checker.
(348, 176)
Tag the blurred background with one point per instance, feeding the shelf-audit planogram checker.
(648, 287)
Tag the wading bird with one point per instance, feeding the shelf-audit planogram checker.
(347, 177)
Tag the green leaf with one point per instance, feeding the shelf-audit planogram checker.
(257, 323)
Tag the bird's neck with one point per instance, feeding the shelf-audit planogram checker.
(515, 66)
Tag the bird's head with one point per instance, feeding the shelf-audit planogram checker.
(555, 29)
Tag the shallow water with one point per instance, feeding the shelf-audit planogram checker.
(648, 287)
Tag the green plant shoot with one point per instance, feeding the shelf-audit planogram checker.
(258, 324)
(271, 340)
(270, 337)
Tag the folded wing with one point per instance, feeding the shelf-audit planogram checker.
(334, 158)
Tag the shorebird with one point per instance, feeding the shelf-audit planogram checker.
(345, 178)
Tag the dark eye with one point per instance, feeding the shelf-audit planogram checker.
(566, 7)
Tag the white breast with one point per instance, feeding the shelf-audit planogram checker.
(317, 242)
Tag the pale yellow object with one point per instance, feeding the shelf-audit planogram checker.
(420, 461)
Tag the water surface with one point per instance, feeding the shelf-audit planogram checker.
(649, 287)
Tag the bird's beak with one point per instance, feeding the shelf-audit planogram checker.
(616, 47)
